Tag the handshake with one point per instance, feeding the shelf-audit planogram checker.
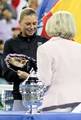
(20, 62)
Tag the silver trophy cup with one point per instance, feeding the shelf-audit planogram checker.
(32, 93)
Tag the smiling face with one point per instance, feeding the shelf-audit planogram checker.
(28, 25)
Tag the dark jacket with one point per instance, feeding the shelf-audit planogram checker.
(20, 45)
(1, 64)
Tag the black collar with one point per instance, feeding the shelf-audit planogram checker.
(28, 38)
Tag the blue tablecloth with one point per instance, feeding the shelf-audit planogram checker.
(43, 116)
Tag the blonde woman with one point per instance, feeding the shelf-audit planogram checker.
(59, 64)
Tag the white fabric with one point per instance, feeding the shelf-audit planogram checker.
(59, 66)
(77, 109)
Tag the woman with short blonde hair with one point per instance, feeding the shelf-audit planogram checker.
(59, 65)
(61, 24)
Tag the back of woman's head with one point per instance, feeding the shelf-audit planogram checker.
(61, 24)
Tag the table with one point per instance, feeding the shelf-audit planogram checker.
(42, 116)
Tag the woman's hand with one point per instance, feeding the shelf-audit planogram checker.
(22, 74)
